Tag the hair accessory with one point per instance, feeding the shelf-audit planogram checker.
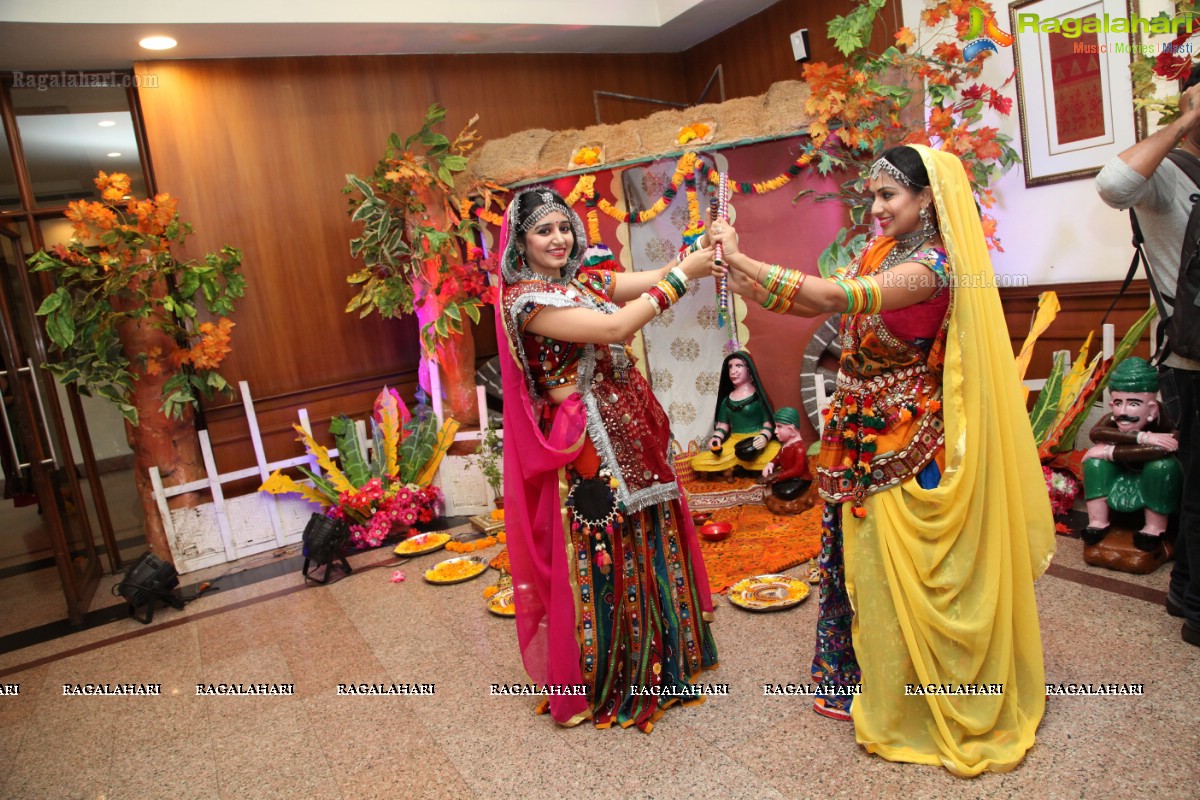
(548, 206)
(882, 165)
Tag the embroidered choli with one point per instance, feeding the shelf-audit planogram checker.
(884, 421)
(627, 426)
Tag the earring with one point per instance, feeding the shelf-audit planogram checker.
(926, 221)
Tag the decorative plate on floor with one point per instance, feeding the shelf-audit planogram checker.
(768, 592)
(422, 543)
(501, 603)
(457, 570)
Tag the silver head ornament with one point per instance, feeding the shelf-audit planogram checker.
(549, 205)
(882, 165)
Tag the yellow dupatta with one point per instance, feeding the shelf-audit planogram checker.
(941, 580)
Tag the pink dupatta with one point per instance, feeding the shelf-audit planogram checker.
(533, 524)
(544, 594)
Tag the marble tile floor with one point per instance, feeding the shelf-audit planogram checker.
(461, 742)
(30, 590)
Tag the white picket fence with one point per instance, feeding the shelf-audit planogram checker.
(226, 529)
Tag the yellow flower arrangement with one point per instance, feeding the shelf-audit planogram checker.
(586, 156)
(460, 570)
(697, 130)
(471, 547)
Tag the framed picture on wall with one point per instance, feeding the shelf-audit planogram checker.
(1074, 94)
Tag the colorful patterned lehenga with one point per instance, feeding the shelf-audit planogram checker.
(611, 592)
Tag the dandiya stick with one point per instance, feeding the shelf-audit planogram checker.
(724, 315)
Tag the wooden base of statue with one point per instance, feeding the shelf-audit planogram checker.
(786, 508)
(784, 501)
(1116, 551)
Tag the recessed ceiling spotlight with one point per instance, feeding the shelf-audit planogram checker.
(114, 155)
(158, 43)
(106, 123)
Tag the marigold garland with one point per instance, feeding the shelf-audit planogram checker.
(584, 187)
(471, 547)
(762, 187)
(685, 173)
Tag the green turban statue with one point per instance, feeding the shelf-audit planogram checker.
(787, 416)
(1134, 374)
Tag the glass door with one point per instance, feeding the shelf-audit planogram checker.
(35, 436)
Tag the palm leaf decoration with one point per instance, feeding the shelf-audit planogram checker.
(1048, 308)
(1080, 374)
(445, 438)
(354, 464)
(1046, 408)
(336, 479)
(405, 449)
(419, 442)
(1061, 436)
(391, 414)
(279, 483)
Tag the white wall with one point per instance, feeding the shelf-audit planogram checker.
(1061, 232)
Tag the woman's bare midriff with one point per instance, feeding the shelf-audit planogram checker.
(560, 393)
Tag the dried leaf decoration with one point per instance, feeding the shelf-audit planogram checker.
(317, 451)
(279, 483)
(391, 413)
(444, 440)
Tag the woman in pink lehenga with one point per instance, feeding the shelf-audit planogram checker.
(612, 598)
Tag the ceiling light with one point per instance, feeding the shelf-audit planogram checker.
(106, 123)
(114, 155)
(158, 43)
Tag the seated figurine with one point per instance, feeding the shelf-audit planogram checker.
(1132, 467)
(788, 474)
(744, 423)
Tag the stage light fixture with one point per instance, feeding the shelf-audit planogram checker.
(324, 538)
(147, 582)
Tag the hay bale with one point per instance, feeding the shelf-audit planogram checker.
(742, 118)
(784, 106)
(511, 159)
(538, 153)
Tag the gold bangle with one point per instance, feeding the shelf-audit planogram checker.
(758, 277)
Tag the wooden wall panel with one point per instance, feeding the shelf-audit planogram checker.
(1083, 307)
(757, 51)
(256, 151)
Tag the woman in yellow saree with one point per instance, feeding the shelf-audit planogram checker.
(934, 494)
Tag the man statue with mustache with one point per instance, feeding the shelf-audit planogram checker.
(1132, 467)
